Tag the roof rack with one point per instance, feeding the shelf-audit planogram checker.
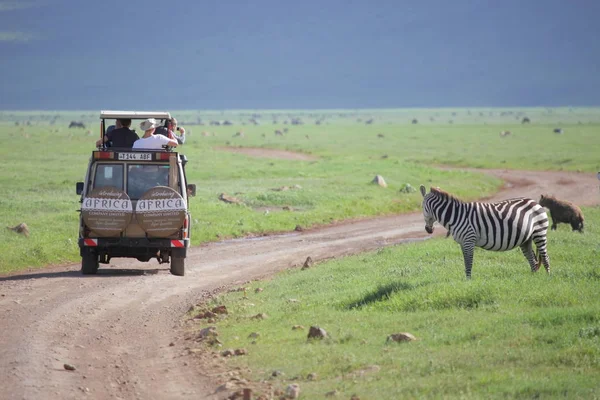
(108, 114)
(114, 114)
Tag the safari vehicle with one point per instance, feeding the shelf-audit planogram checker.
(134, 203)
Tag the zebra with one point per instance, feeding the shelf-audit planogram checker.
(498, 226)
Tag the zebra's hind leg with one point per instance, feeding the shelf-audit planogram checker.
(527, 250)
(540, 243)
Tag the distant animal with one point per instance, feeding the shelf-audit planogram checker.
(505, 133)
(558, 130)
(75, 124)
(415, 121)
(498, 226)
(369, 121)
(562, 211)
(525, 120)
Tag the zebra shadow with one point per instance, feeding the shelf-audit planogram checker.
(383, 293)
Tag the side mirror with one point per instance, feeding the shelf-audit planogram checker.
(79, 187)
(191, 189)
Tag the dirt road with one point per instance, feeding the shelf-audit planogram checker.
(122, 332)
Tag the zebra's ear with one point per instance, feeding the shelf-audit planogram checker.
(422, 190)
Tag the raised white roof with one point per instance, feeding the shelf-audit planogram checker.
(135, 114)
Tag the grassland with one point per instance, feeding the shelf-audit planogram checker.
(507, 333)
(42, 159)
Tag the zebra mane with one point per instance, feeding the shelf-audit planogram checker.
(445, 195)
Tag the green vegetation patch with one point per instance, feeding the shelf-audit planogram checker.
(507, 333)
(45, 160)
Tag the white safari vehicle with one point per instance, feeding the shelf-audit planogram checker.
(134, 203)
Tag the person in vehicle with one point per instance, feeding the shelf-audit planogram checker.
(115, 126)
(170, 129)
(150, 140)
(109, 129)
(122, 136)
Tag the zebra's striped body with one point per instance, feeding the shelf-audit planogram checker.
(492, 226)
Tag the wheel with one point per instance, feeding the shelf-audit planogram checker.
(178, 266)
(89, 263)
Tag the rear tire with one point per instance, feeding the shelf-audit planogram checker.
(89, 263)
(178, 266)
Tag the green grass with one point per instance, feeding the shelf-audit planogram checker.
(507, 333)
(38, 170)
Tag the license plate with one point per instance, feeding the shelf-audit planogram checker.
(136, 156)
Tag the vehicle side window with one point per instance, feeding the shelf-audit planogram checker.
(109, 175)
(140, 178)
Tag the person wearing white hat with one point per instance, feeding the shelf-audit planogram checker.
(150, 140)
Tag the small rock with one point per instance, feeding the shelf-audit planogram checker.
(401, 337)
(379, 180)
(297, 327)
(254, 335)
(354, 397)
(229, 199)
(205, 314)
(260, 316)
(226, 386)
(292, 391)
(298, 228)
(210, 332)
(407, 188)
(171, 344)
(333, 393)
(69, 367)
(277, 373)
(294, 300)
(316, 333)
(312, 376)
(240, 352)
(220, 310)
(228, 353)
(258, 290)
(236, 395)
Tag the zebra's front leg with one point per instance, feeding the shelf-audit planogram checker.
(527, 250)
(468, 248)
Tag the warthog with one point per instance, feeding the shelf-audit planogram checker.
(562, 211)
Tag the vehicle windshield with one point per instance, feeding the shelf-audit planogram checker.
(140, 178)
(109, 175)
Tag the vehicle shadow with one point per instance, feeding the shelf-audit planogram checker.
(102, 273)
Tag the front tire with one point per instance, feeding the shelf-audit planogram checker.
(178, 266)
(89, 263)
